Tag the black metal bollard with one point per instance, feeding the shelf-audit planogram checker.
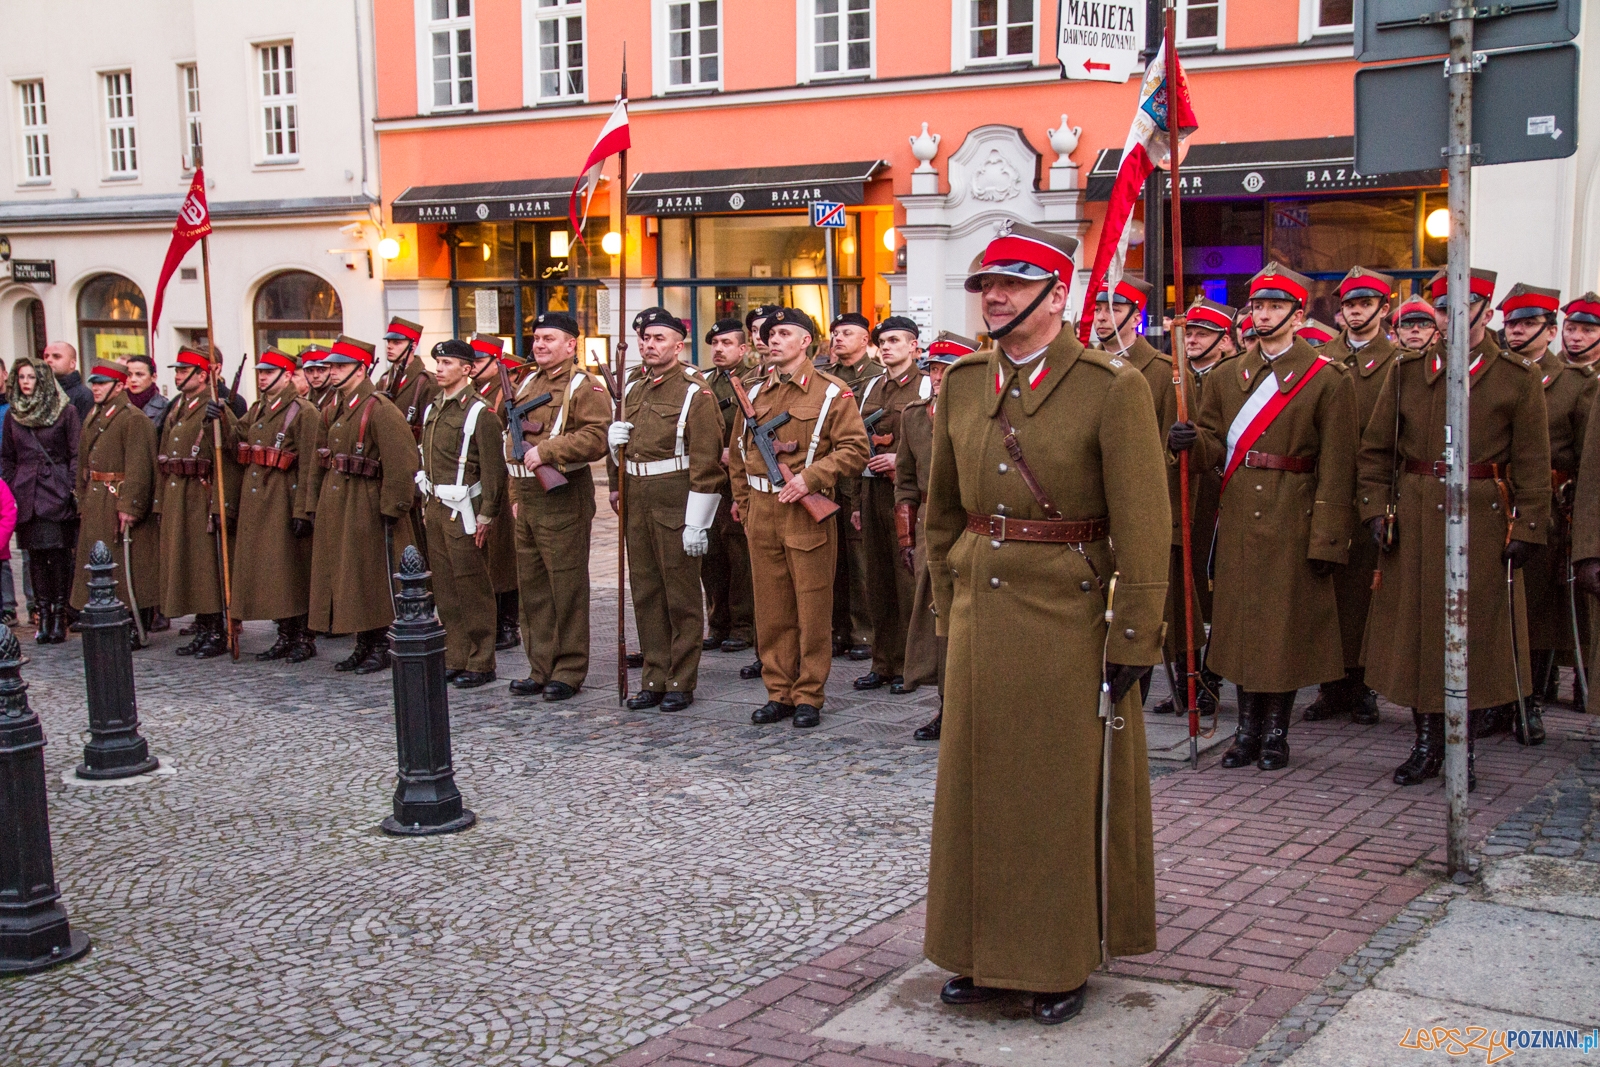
(34, 933)
(426, 800)
(115, 749)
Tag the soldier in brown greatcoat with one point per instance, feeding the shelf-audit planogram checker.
(1580, 333)
(849, 343)
(1415, 326)
(1554, 609)
(1365, 351)
(1281, 426)
(116, 485)
(926, 648)
(672, 432)
(1508, 514)
(1023, 554)
(489, 358)
(366, 468)
(407, 382)
(272, 552)
(566, 434)
(792, 554)
(186, 499)
(883, 399)
(316, 371)
(725, 571)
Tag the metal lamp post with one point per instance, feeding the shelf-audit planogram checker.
(115, 749)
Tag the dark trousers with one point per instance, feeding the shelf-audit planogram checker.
(725, 573)
(892, 587)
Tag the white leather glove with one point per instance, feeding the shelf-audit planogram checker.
(617, 435)
(698, 515)
(696, 542)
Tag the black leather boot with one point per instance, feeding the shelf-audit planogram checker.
(508, 633)
(305, 642)
(1363, 701)
(357, 654)
(1427, 751)
(1275, 747)
(211, 636)
(197, 630)
(1333, 701)
(929, 731)
(41, 636)
(1246, 747)
(377, 658)
(280, 648)
(1180, 676)
(1534, 734)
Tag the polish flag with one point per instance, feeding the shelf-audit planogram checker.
(1148, 147)
(613, 139)
(194, 222)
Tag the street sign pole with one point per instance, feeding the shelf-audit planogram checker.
(828, 215)
(1457, 446)
(828, 305)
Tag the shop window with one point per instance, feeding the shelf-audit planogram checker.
(841, 35)
(189, 80)
(1200, 22)
(1334, 16)
(999, 31)
(112, 319)
(694, 43)
(295, 308)
(557, 39)
(35, 132)
(122, 147)
(769, 246)
(447, 45)
(505, 273)
(280, 118)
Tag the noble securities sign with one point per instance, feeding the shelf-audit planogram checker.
(1100, 40)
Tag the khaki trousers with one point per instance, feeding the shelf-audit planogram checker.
(552, 538)
(791, 566)
(463, 591)
(667, 608)
(725, 573)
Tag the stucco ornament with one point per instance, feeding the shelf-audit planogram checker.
(925, 146)
(1064, 140)
(995, 180)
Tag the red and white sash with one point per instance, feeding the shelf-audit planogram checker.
(1259, 411)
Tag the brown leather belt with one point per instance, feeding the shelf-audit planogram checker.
(1053, 531)
(1441, 469)
(106, 476)
(1271, 461)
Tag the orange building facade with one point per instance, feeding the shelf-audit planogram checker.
(932, 120)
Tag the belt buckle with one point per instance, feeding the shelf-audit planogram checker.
(1002, 519)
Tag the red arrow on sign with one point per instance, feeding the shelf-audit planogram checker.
(1091, 66)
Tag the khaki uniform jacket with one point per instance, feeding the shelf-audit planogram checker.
(350, 583)
(841, 445)
(411, 392)
(272, 567)
(1568, 396)
(570, 431)
(727, 403)
(855, 379)
(444, 422)
(189, 575)
(915, 453)
(1404, 652)
(1012, 886)
(891, 395)
(654, 404)
(1274, 623)
(112, 442)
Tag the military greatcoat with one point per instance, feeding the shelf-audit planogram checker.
(1568, 396)
(117, 473)
(190, 563)
(1586, 530)
(1405, 625)
(1274, 622)
(925, 650)
(272, 567)
(350, 569)
(502, 542)
(412, 391)
(1013, 884)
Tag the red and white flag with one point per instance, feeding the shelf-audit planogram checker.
(194, 222)
(613, 139)
(1149, 146)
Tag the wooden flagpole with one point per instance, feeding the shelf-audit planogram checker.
(1180, 381)
(621, 377)
(216, 446)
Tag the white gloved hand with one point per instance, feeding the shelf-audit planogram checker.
(696, 542)
(617, 435)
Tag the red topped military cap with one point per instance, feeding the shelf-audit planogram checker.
(1415, 309)
(1526, 301)
(192, 357)
(1209, 315)
(487, 344)
(1363, 282)
(1130, 290)
(349, 350)
(1315, 332)
(403, 330)
(272, 359)
(1277, 282)
(949, 347)
(312, 355)
(1481, 285)
(108, 370)
(1585, 308)
(1025, 252)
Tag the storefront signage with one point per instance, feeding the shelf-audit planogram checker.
(118, 346)
(540, 198)
(1100, 40)
(34, 270)
(1267, 168)
(725, 200)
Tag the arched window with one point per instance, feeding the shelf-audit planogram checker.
(295, 308)
(112, 320)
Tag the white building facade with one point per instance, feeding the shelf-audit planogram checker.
(109, 108)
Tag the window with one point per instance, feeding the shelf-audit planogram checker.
(694, 43)
(450, 50)
(558, 30)
(842, 37)
(295, 308)
(1000, 30)
(112, 322)
(1334, 15)
(35, 132)
(1200, 22)
(192, 155)
(280, 119)
(122, 149)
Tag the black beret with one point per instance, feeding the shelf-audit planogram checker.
(658, 317)
(556, 320)
(897, 322)
(454, 349)
(724, 326)
(788, 317)
(850, 318)
(763, 312)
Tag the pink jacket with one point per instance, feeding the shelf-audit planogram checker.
(8, 519)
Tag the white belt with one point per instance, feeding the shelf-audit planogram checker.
(760, 484)
(458, 498)
(519, 470)
(658, 466)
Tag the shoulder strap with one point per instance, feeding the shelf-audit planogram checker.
(566, 402)
(832, 391)
(466, 439)
(683, 417)
(1014, 450)
(366, 414)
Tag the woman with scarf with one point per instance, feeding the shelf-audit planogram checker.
(39, 460)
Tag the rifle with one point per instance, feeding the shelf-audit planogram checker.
(819, 506)
(871, 423)
(549, 477)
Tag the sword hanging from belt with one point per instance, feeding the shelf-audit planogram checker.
(1110, 723)
(133, 599)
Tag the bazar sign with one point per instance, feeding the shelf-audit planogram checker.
(743, 198)
(500, 210)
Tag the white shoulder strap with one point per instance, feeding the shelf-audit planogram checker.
(683, 417)
(822, 417)
(427, 411)
(866, 391)
(561, 415)
(925, 388)
(466, 439)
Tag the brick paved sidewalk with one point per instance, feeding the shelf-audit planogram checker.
(1267, 884)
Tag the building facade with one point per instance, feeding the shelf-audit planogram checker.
(931, 121)
(100, 134)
